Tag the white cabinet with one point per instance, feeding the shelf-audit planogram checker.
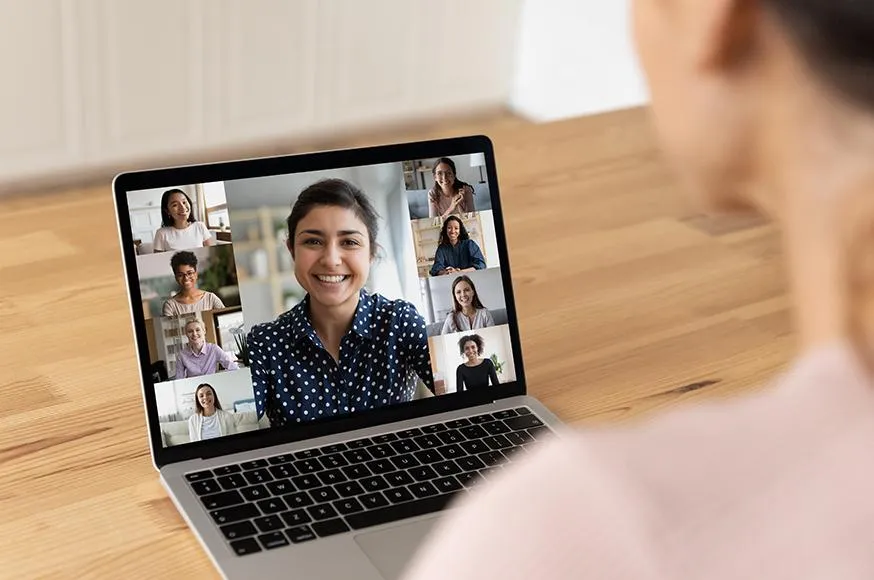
(113, 83)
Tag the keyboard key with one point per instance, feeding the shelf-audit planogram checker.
(398, 512)
(539, 432)
(358, 456)
(324, 494)
(423, 473)
(307, 454)
(359, 443)
(381, 466)
(306, 466)
(349, 489)
(522, 410)
(221, 500)
(273, 540)
(272, 505)
(423, 489)
(403, 461)
(475, 447)
(356, 471)
(298, 499)
(492, 458)
(470, 463)
(497, 442)
(227, 469)
(435, 428)
(331, 476)
(382, 451)
(485, 418)
(278, 459)
(473, 432)
(234, 514)
(205, 487)
(295, 517)
(447, 484)
(468, 478)
(398, 478)
(348, 506)
(373, 500)
(428, 456)
(450, 437)
(199, 475)
(452, 451)
(496, 427)
(238, 530)
(523, 422)
(489, 472)
(300, 534)
(335, 448)
(279, 487)
(246, 546)
(333, 461)
(518, 437)
(446, 468)
(322, 512)
(269, 524)
(233, 481)
(258, 476)
(256, 464)
(398, 495)
(407, 433)
(458, 423)
(384, 438)
(282, 471)
(506, 414)
(428, 441)
(330, 527)
(255, 492)
(375, 483)
(306, 481)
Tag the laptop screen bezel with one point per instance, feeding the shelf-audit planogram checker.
(302, 163)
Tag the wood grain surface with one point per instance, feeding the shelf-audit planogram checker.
(630, 303)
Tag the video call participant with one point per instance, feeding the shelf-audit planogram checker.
(475, 372)
(449, 195)
(468, 312)
(179, 230)
(456, 252)
(209, 420)
(189, 298)
(341, 349)
(198, 357)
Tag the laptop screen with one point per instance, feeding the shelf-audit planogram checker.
(386, 289)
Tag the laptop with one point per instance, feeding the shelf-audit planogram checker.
(291, 455)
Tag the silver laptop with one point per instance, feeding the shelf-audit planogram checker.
(289, 455)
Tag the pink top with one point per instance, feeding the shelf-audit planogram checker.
(777, 485)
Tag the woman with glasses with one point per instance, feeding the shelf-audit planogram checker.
(190, 298)
(449, 195)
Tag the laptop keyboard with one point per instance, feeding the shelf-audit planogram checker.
(297, 497)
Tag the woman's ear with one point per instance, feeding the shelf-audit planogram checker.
(290, 246)
(723, 32)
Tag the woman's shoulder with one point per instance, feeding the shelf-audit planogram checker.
(394, 306)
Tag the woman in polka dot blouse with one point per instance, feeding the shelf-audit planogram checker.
(341, 349)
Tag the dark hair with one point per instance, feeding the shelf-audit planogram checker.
(457, 184)
(834, 36)
(338, 193)
(166, 218)
(183, 258)
(476, 301)
(218, 404)
(462, 231)
(475, 338)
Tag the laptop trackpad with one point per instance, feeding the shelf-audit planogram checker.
(392, 549)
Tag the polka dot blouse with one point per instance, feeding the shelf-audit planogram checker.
(296, 380)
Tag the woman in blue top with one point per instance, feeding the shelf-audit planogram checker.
(341, 349)
(456, 252)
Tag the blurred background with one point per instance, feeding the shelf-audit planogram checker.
(93, 87)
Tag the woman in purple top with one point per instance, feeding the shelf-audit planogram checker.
(198, 357)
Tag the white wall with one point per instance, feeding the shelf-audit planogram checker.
(575, 57)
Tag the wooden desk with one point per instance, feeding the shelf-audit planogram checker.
(629, 303)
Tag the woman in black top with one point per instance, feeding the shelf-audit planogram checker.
(476, 372)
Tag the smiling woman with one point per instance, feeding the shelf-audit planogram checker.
(341, 349)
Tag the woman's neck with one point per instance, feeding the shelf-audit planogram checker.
(180, 225)
(332, 323)
(195, 348)
(209, 412)
(468, 310)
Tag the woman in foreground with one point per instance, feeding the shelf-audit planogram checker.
(765, 105)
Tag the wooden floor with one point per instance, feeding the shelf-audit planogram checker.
(629, 301)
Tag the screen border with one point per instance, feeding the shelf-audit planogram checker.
(304, 163)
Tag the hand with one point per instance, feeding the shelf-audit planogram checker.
(457, 199)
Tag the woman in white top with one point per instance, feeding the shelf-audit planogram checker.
(190, 298)
(468, 313)
(209, 420)
(179, 230)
